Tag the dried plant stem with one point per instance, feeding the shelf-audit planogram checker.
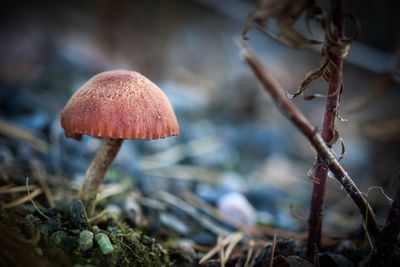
(271, 259)
(38, 173)
(275, 90)
(328, 134)
(33, 202)
(95, 174)
(22, 200)
(249, 253)
(221, 250)
(230, 240)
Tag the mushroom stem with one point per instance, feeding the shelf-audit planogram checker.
(95, 173)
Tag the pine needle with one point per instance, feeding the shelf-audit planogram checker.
(33, 202)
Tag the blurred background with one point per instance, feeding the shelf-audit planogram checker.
(235, 150)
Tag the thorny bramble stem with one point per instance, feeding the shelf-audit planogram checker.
(277, 93)
(328, 134)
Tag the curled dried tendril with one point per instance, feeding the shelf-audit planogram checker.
(326, 74)
(338, 46)
(341, 118)
(335, 137)
(312, 74)
(340, 156)
(309, 77)
(286, 13)
(338, 105)
(334, 45)
(343, 150)
(311, 173)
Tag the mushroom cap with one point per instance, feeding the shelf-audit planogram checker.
(119, 104)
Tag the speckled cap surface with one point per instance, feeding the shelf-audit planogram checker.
(119, 104)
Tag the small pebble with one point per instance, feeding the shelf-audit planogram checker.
(64, 241)
(85, 240)
(104, 243)
(58, 237)
(237, 209)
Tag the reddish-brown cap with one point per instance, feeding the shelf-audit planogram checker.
(119, 104)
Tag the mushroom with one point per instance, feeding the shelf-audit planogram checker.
(115, 105)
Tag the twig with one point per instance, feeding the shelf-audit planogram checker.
(249, 253)
(328, 131)
(38, 174)
(54, 181)
(22, 200)
(225, 241)
(292, 113)
(220, 246)
(235, 240)
(9, 189)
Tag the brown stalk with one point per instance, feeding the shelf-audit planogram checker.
(275, 90)
(328, 134)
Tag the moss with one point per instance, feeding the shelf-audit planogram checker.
(59, 242)
(135, 249)
(24, 244)
(130, 248)
(85, 240)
